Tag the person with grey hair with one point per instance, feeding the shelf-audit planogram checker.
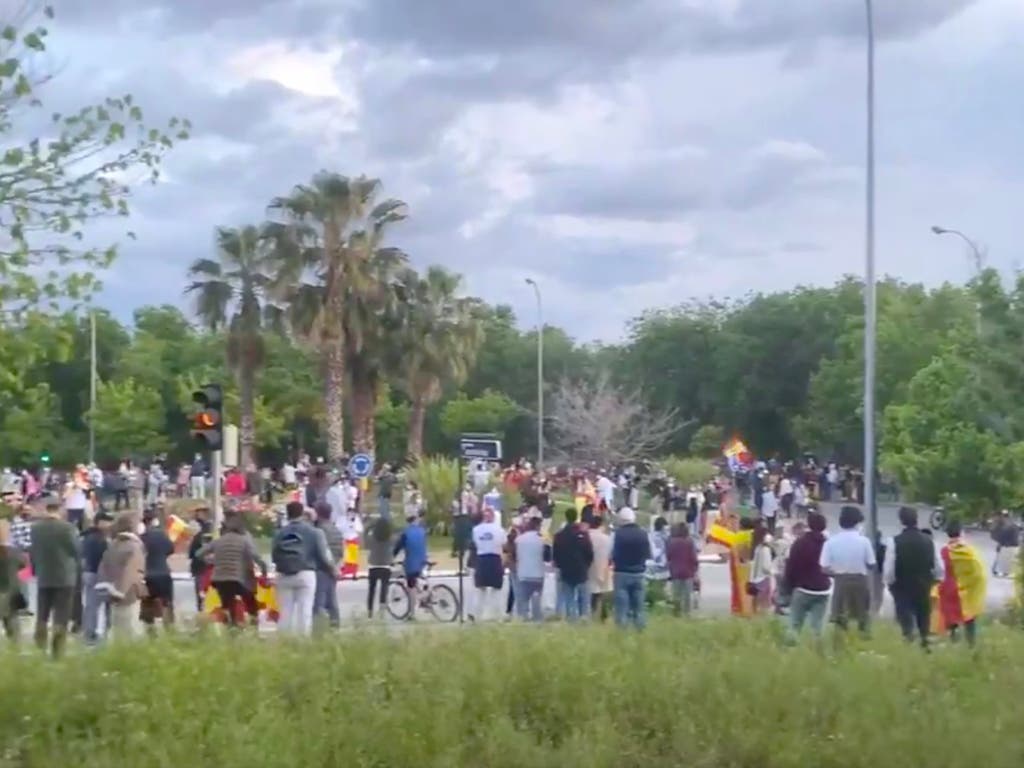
(631, 549)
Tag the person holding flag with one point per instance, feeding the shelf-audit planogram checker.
(962, 589)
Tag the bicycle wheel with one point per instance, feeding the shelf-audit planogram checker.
(399, 603)
(443, 603)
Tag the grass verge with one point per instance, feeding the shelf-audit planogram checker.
(715, 693)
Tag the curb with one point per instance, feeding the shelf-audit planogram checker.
(445, 574)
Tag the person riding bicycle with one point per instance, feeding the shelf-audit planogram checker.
(413, 541)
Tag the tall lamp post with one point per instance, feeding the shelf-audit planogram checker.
(979, 263)
(540, 372)
(870, 310)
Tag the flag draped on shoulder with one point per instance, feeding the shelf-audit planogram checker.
(962, 591)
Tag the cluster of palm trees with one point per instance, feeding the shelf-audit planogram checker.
(319, 271)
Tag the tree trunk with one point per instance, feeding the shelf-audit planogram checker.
(363, 410)
(334, 397)
(417, 415)
(247, 406)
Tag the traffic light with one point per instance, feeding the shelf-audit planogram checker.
(208, 420)
(44, 458)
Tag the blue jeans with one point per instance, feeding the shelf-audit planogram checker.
(573, 600)
(803, 607)
(93, 605)
(325, 600)
(528, 599)
(629, 599)
(384, 507)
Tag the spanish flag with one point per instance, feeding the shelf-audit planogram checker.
(720, 534)
(962, 592)
(176, 528)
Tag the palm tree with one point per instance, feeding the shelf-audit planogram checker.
(332, 226)
(232, 292)
(443, 333)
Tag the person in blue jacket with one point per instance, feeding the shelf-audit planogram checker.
(413, 541)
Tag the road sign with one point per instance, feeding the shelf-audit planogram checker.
(480, 448)
(360, 465)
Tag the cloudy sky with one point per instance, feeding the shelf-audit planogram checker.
(626, 154)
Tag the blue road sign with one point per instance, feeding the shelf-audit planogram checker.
(480, 448)
(361, 465)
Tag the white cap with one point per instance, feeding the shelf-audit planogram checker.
(626, 516)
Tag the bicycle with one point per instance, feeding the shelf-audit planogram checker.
(439, 600)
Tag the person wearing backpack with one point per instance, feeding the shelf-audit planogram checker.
(299, 551)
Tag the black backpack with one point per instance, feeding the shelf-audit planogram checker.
(289, 552)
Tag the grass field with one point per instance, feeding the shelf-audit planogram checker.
(714, 693)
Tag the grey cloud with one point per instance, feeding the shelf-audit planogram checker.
(781, 169)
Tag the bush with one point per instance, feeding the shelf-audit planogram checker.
(438, 481)
(687, 472)
(717, 693)
(707, 441)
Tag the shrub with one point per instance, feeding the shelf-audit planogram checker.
(717, 693)
(438, 481)
(707, 441)
(687, 472)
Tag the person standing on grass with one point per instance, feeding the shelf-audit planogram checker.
(386, 482)
(413, 542)
(488, 542)
(849, 558)
(94, 546)
(122, 575)
(159, 600)
(326, 599)
(1006, 534)
(11, 598)
(599, 578)
(54, 556)
(631, 549)
(573, 555)
(911, 570)
(962, 591)
(299, 550)
(807, 582)
(379, 558)
(531, 555)
(683, 565)
(235, 559)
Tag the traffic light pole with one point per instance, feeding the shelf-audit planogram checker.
(215, 473)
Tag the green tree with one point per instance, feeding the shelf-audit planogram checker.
(233, 292)
(707, 441)
(53, 186)
(492, 412)
(128, 420)
(443, 334)
(30, 427)
(330, 224)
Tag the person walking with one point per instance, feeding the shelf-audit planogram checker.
(122, 575)
(326, 598)
(158, 602)
(599, 578)
(54, 554)
(235, 560)
(631, 549)
(683, 565)
(532, 554)
(807, 582)
(573, 555)
(489, 543)
(849, 558)
(911, 569)
(962, 590)
(94, 546)
(379, 555)
(298, 551)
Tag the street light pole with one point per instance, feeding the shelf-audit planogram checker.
(870, 309)
(540, 373)
(979, 264)
(92, 386)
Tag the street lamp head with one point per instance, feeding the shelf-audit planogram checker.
(530, 281)
(938, 230)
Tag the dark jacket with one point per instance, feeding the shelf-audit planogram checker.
(335, 541)
(159, 547)
(203, 537)
(54, 553)
(682, 558)
(94, 544)
(572, 554)
(915, 562)
(803, 566)
(631, 549)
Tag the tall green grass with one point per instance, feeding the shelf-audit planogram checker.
(716, 693)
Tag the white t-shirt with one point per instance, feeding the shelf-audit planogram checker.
(489, 538)
(606, 488)
(785, 486)
(288, 474)
(75, 499)
(848, 552)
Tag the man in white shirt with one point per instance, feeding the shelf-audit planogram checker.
(489, 576)
(606, 489)
(849, 558)
(786, 496)
(337, 498)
